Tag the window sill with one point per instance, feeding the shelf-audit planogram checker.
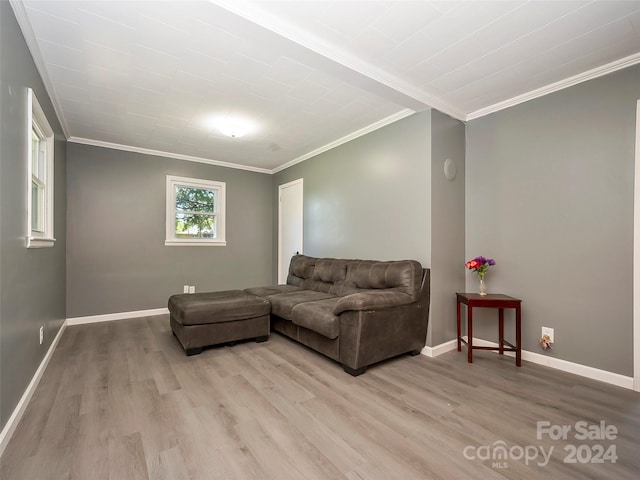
(40, 242)
(195, 243)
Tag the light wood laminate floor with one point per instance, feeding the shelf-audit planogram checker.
(120, 400)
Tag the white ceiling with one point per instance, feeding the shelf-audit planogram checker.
(148, 75)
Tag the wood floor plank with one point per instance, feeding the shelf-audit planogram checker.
(275, 461)
(276, 377)
(220, 434)
(370, 441)
(91, 459)
(163, 374)
(127, 458)
(121, 400)
(305, 454)
(167, 465)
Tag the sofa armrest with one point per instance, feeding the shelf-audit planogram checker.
(371, 301)
(367, 337)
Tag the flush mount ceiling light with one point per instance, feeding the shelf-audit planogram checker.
(233, 127)
(233, 130)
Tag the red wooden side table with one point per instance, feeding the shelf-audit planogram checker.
(500, 302)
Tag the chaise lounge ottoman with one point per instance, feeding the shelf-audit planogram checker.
(203, 319)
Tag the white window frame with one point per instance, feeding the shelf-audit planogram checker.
(171, 240)
(36, 120)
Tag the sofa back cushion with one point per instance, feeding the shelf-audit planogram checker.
(344, 277)
(300, 270)
(330, 270)
(328, 275)
(403, 276)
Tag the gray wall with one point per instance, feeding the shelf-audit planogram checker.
(369, 198)
(447, 226)
(116, 258)
(32, 280)
(550, 197)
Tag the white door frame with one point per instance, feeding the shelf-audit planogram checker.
(280, 189)
(636, 259)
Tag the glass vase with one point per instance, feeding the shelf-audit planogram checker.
(482, 289)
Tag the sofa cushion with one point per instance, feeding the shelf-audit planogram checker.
(330, 270)
(300, 268)
(271, 290)
(404, 276)
(328, 276)
(283, 303)
(371, 300)
(318, 316)
(216, 307)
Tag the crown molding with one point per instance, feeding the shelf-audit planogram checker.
(561, 85)
(22, 18)
(347, 138)
(160, 153)
(147, 151)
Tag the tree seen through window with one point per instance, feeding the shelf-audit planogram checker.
(195, 212)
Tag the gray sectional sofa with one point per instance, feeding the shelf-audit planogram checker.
(357, 312)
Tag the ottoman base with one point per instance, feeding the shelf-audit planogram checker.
(211, 318)
(194, 337)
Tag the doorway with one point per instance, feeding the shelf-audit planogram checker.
(290, 225)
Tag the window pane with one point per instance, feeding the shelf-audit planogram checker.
(195, 211)
(190, 199)
(35, 143)
(37, 208)
(42, 158)
(38, 155)
(195, 226)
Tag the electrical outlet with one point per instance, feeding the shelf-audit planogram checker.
(548, 331)
(185, 289)
(192, 289)
(41, 335)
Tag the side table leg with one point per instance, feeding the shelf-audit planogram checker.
(459, 327)
(518, 336)
(469, 334)
(501, 331)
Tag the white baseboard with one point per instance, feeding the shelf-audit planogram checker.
(109, 317)
(440, 349)
(16, 416)
(13, 421)
(557, 363)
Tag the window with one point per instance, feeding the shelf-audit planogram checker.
(40, 176)
(195, 212)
